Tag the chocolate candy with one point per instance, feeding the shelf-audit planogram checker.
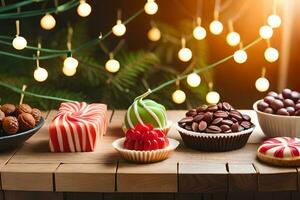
(220, 118)
(8, 109)
(287, 103)
(10, 125)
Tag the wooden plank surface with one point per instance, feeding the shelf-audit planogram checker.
(85, 177)
(204, 177)
(156, 177)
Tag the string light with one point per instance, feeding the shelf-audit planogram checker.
(193, 80)
(40, 74)
(266, 32)
(271, 54)
(262, 84)
(69, 71)
(84, 9)
(274, 21)
(178, 96)
(151, 7)
(199, 32)
(112, 65)
(154, 34)
(240, 56)
(184, 54)
(70, 66)
(216, 27)
(212, 97)
(233, 38)
(119, 29)
(19, 42)
(48, 22)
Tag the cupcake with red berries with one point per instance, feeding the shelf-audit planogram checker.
(144, 144)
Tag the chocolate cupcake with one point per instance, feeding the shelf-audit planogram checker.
(215, 128)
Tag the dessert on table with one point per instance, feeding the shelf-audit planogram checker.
(279, 113)
(144, 144)
(215, 128)
(146, 111)
(77, 127)
(280, 151)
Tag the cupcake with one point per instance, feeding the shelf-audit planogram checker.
(215, 128)
(144, 144)
(146, 111)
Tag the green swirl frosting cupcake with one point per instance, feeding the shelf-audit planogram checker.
(146, 111)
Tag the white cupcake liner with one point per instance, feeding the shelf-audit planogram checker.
(144, 156)
(165, 129)
(214, 142)
(277, 125)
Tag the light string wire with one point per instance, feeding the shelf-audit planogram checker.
(58, 53)
(198, 71)
(19, 4)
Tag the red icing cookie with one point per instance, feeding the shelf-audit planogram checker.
(281, 151)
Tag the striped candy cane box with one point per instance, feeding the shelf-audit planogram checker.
(77, 127)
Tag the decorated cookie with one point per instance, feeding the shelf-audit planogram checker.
(281, 151)
(146, 111)
(77, 127)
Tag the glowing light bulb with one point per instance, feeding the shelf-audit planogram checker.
(84, 9)
(240, 56)
(262, 84)
(119, 29)
(266, 32)
(48, 22)
(178, 96)
(199, 33)
(19, 43)
(271, 54)
(193, 80)
(154, 34)
(233, 38)
(185, 54)
(274, 21)
(40, 74)
(212, 97)
(69, 71)
(216, 27)
(70, 63)
(112, 65)
(151, 7)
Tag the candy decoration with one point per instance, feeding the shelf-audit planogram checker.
(146, 111)
(282, 151)
(77, 127)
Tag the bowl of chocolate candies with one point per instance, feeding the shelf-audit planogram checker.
(215, 128)
(279, 113)
(17, 124)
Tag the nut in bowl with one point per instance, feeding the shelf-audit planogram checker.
(143, 144)
(279, 114)
(215, 128)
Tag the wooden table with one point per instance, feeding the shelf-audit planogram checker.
(33, 172)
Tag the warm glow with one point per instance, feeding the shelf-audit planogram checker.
(216, 27)
(119, 29)
(84, 9)
(19, 43)
(271, 54)
(178, 96)
(266, 32)
(262, 84)
(40, 74)
(212, 97)
(185, 54)
(70, 64)
(199, 33)
(240, 56)
(69, 71)
(48, 22)
(274, 21)
(233, 38)
(151, 7)
(154, 34)
(112, 65)
(193, 80)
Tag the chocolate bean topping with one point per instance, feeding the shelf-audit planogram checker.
(213, 129)
(208, 117)
(295, 96)
(195, 126)
(269, 99)
(202, 126)
(273, 94)
(261, 106)
(198, 118)
(227, 122)
(186, 120)
(235, 127)
(288, 103)
(277, 104)
(202, 108)
(226, 106)
(220, 106)
(217, 121)
(282, 111)
(286, 93)
(212, 108)
(236, 116)
(291, 110)
(191, 113)
(268, 110)
(220, 114)
(246, 117)
(297, 106)
(188, 127)
(224, 128)
(246, 124)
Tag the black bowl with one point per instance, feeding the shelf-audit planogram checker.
(8, 142)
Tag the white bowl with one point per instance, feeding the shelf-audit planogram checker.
(277, 125)
(145, 156)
